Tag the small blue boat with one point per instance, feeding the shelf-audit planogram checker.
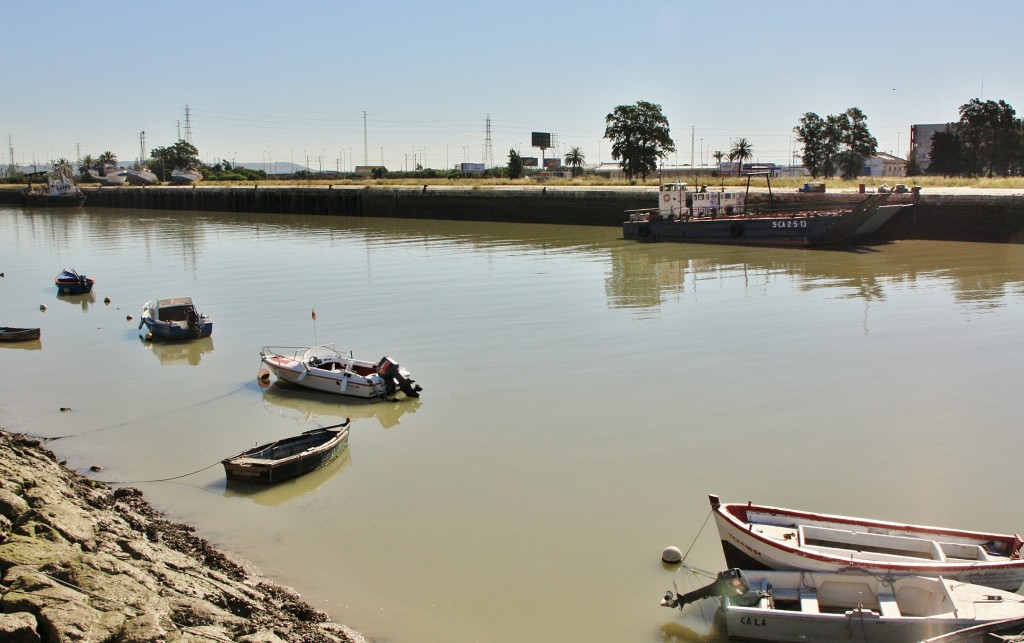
(174, 318)
(69, 282)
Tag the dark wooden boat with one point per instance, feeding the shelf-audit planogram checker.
(8, 334)
(69, 282)
(289, 457)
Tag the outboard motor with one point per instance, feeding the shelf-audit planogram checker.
(192, 319)
(729, 583)
(394, 374)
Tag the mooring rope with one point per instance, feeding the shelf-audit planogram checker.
(128, 422)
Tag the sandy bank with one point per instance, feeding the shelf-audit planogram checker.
(82, 562)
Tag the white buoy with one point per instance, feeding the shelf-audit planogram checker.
(671, 555)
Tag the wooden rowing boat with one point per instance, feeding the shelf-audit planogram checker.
(758, 537)
(289, 457)
(9, 334)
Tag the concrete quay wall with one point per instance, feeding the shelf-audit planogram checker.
(981, 216)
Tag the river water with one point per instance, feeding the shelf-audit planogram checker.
(582, 396)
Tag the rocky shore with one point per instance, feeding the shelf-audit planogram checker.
(80, 562)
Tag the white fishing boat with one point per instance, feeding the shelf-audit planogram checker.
(796, 607)
(324, 368)
(60, 190)
(763, 537)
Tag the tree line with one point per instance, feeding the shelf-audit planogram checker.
(988, 140)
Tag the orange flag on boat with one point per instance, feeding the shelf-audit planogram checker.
(314, 314)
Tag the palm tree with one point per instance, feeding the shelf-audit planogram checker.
(87, 163)
(719, 155)
(575, 159)
(63, 168)
(105, 159)
(741, 151)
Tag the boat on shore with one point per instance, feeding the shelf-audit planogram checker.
(324, 368)
(795, 606)
(142, 177)
(725, 217)
(759, 537)
(174, 318)
(187, 176)
(289, 457)
(60, 190)
(69, 282)
(10, 334)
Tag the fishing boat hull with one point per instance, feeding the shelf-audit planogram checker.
(38, 200)
(141, 177)
(288, 458)
(794, 229)
(174, 319)
(186, 177)
(69, 282)
(757, 537)
(323, 368)
(796, 607)
(9, 334)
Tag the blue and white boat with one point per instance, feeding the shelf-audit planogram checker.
(69, 282)
(174, 318)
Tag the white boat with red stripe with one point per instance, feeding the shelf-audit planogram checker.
(760, 537)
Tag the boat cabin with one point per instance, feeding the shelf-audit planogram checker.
(677, 203)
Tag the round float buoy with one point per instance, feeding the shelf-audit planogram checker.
(42, 307)
(106, 300)
(129, 317)
(263, 377)
(671, 555)
(149, 337)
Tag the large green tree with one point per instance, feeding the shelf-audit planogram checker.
(945, 157)
(835, 143)
(515, 164)
(989, 134)
(178, 156)
(640, 136)
(574, 160)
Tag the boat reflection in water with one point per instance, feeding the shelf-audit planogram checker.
(30, 345)
(84, 300)
(310, 406)
(282, 492)
(172, 353)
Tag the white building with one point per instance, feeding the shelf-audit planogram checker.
(921, 141)
(882, 164)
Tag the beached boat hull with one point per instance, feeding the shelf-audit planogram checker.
(323, 368)
(757, 537)
(9, 334)
(288, 458)
(141, 177)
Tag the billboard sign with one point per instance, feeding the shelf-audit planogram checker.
(472, 168)
(541, 139)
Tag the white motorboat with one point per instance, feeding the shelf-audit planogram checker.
(763, 537)
(174, 318)
(796, 607)
(324, 368)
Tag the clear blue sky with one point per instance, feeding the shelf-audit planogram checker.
(279, 81)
